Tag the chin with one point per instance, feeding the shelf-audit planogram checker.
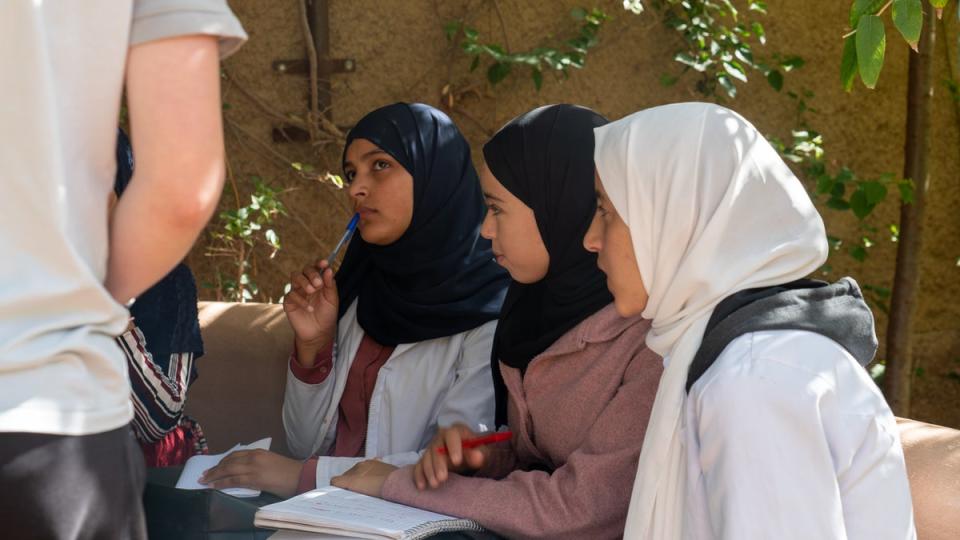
(372, 235)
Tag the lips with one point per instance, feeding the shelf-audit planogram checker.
(365, 212)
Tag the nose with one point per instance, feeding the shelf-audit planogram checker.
(488, 229)
(359, 189)
(593, 240)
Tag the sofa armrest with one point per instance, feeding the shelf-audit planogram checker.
(933, 465)
(238, 396)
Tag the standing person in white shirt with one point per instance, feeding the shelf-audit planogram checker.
(69, 466)
(765, 425)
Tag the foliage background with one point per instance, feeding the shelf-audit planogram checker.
(402, 53)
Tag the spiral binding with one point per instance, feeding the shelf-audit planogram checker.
(435, 527)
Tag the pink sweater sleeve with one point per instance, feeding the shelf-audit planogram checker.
(587, 497)
(502, 460)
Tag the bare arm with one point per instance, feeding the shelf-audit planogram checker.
(173, 95)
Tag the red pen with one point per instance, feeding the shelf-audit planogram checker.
(499, 436)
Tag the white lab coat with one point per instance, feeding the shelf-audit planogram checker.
(422, 386)
(787, 437)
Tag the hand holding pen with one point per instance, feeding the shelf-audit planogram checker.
(456, 449)
(312, 304)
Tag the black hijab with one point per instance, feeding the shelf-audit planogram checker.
(545, 159)
(166, 313)
(439, 278)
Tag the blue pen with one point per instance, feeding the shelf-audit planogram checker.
(343, 239)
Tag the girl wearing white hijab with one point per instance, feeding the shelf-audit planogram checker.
(765, 425)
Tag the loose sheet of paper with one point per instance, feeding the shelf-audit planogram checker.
(194, 467)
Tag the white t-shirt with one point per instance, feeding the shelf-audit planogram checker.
(63, 66)
(787, 437)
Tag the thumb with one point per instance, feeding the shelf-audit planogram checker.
(475, 458)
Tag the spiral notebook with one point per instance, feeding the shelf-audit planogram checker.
(336, 511)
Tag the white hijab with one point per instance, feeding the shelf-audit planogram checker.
(712, 210)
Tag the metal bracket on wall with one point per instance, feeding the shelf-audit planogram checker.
(318, 17)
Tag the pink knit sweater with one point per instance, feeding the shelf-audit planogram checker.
(580, 411)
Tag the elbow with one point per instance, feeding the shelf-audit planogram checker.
(195, 195)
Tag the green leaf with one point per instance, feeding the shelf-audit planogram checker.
(668, 80)
(848, 66)
(838, 188)
(735, 70)
(272, 238)
(871, 45)
(475, 63)
(874, 191)
(498, 72)
(894, 232)
(537, 78)
(908, 18)
(863, 7)
(578, 13)
(906, 191)
(860, 205)
(451, 29)
(877, 371)
(824, 184)
(775, 78)
(727, 85)
(793, 62)
(838, 204)
(859, 253)
(760, 33)
(471, 33)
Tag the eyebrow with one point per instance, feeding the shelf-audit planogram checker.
(489, 196)
(366, 155)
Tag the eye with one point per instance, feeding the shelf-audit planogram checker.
(493, 209)
(348, 176)
(601, 210)
(380, 165)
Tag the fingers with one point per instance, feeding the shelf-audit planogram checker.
(428, 460)
(474, 458)
(328, 280)
(453, 442)
(419, 478)
(236, 465)
(312, 273)
(294, 300)
(302, 282)
(325, 272)
(239, 481)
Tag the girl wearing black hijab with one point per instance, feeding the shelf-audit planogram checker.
(398, 344)
(576, 381)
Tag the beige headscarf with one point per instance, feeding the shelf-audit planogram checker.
(712, 210)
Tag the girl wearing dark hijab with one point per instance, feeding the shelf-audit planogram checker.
(398, 344)
(578, 380)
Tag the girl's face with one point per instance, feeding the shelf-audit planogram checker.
(609, 237)
(381, 190)
(512, 228)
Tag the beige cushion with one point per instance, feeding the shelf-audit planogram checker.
(239, 394)
(933, 464)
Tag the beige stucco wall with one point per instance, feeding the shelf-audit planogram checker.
(402, 54)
